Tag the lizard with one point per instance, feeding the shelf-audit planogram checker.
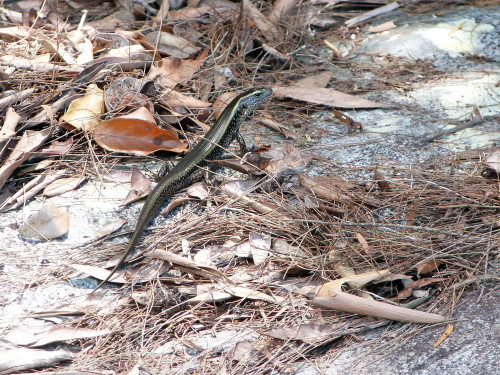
(210, 147)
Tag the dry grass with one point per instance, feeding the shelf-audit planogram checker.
(454, 215)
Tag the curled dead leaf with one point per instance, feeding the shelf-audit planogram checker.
(357, 305)
(444, 335)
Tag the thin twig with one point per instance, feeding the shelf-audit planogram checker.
(462, 126)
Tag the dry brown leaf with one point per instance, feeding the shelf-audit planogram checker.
(316, 80)
(382, 27)
(372, 13)
(352, 125)
(419, 293)
(404, 293)
(222, 101)
(446, 333)
(31, 189)
(8, 128)
(66, 333)
(56, 148)
(15, 32)
(275, 53)
(109, 228)
(381, 180)
(101, 273)
(179, 117)
(141, 113)
(16, 18)
(323, 96)
(189, 12)
(119, 176)
(41, 67)
(289, 134)
(244, 350)
(410, 288)
(128, 50)
(47, 223)
(47, 111)
(363, 242)
(149, 271)
(136, 136)
(83, 113)
(283, 248)
(11, 99)
(174, 203)
(240, 190)
(242, 250)
(346, 302)
(82, 43)
(493, 160)
(22, 358)
(175, 99)
(356, 281)
(330, 188)
(248, 293)
(171, 70)
(210, 293)
(285, 159)
(267, 27)
(63, 185)
(148, 298)
(198, 190)
(30, 141)
(140, 186)
(173, 258)
(60, 49)
(348, 275)
(260, 247)
(79, 305)
(128, 93)
(281, 9)
(187, 265)
(170, 44)
(428, 266)
(425, 281)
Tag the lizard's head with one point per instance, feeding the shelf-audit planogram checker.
(251, 99)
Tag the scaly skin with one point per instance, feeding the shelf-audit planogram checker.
(211, 147)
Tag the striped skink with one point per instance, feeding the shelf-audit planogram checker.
(211, 147)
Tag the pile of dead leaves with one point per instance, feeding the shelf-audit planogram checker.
(264, 269)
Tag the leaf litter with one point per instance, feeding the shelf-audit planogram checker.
(303, 261)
